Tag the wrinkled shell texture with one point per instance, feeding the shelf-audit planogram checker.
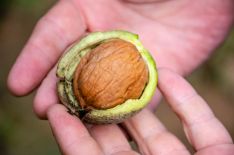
(110, 74)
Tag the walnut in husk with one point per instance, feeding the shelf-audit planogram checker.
(106, 77)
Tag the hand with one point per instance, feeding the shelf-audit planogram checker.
(180, 35)
(204, 131)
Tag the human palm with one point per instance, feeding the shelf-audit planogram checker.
(180, 35)
(181, 32)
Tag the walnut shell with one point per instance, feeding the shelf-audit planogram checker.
(106, 77)
(110, 74)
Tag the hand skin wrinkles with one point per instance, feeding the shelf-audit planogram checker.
(179, 39)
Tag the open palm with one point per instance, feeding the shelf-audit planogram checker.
(180, 35)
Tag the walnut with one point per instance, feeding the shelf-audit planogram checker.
(106, 77)
(110, 74)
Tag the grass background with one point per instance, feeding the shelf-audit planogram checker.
(21, 133)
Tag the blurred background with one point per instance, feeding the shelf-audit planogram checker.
(21, 133)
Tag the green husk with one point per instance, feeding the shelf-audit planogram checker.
(68, 63)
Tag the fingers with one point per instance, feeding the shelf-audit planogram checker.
(223, 149)
(154, 101)
(46, 95)
(202, 128)
(61, 26)
(73, 138)
(152, 137)
(70, 133)
(145, 1)
(111, 139)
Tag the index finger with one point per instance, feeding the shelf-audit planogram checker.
(61, 26)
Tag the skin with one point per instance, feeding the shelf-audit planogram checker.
(180, 34)
(149, 133)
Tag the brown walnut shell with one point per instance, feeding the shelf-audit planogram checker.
(110, 74)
